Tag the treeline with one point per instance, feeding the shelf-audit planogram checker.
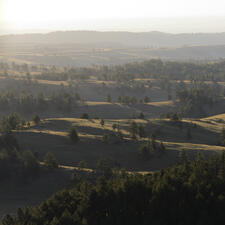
(188, 193)
(195, 99)
(69, 74)
(28, 103)
(148, 69)
(154, 68)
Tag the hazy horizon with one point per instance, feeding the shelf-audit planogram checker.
(29, 16)
(166, 25)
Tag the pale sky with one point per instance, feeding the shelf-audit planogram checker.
(161, 15)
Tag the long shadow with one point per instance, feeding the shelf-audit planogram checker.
(55, 125)
(63, 126)
(175, 132)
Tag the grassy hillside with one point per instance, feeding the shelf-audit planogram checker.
(51, 135)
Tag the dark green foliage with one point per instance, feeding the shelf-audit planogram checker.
(128, 100)
(112, 138)
(141, 116)
(11, 122)
(192, 101)
(191, 193)
(50, 161)
(173, 116)
(25, 103)
(15, 164)
(36, 119)
(104, 169)
(73, 135)
(165, 70)
(114, 126)
(151, 149)
(84, 116)
(182, 157)
(133, 129)
(102, 122)
(141, 131)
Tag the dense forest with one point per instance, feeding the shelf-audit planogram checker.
(191, 192)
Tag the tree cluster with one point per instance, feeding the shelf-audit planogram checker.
(188, 193)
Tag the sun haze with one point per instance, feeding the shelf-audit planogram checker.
(70, 14)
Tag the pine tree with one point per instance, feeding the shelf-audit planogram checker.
(73, 135)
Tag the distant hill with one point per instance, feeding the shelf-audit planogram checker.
(86, 48)
(144, 39)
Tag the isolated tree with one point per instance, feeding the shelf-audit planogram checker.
(84, 116)
(73, 135)
(114, 126)
(141, 116)
(36, 119)
(133, 129)
(141, 131)
(174, 117)
(50, 161)
(102, 122)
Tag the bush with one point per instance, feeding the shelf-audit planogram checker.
(73, 135)
(84, 116)
(102, 122)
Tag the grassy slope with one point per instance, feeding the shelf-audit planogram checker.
(51, 135)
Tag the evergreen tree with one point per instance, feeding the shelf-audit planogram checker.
(36, 119)
(73, 135)
(50, 161)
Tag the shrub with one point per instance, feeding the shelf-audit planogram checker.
(73, 135)
(84, 116)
